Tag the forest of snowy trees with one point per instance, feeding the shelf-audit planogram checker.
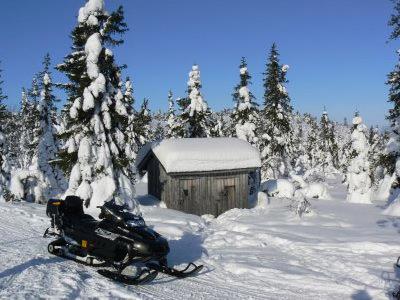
(88, 146)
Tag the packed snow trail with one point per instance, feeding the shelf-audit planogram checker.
(343, 251)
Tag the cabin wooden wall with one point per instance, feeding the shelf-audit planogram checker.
(199, 193)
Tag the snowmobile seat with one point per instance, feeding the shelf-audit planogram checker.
(73, 205)
(73, 209)
(84, 223)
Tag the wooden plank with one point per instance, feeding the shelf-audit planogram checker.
(211, 193)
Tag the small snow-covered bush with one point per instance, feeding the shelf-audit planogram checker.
(314, 190)
(28, 185)
(310, 190)
(281, 188)
(303, 207)
(300, 205)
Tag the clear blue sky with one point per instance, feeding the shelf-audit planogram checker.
(336, 49)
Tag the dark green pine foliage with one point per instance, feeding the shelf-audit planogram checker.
(328, 146)
(245, 113)
(275, 130)
(181, 119)
(377, 143)
(97, 150)
(312, 149)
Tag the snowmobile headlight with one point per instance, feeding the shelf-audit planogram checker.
(135, 223)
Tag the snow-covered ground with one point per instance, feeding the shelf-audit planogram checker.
(342, 251)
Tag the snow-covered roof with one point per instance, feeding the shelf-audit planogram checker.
(202, 154)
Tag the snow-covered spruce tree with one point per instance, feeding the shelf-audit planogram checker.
(391, 157)
(377, 144)
(96, 155)
(47, 147)
(312, 148)
(26, 154)
(223, 124)
(275, 130)
(343, 138)
(143, 121)
(327, 144)
(132, 128)
(158, 126)
(172, 127)
(4, 166)
(219, 129)
(358, 176)
(10, 129)
(195, 119)
(12, 133)
(300, 157)
(29, 124)
(245, 115)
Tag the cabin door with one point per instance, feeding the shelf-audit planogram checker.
(189, 198)
(226, 195)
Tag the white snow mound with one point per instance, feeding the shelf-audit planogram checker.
(280, 188)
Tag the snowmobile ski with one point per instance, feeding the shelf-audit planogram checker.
(177, 273)
(144, 277)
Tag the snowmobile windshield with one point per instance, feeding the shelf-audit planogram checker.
(120, 214)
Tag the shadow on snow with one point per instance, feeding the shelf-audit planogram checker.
(28, 264)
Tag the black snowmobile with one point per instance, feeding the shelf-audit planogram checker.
(116, 244)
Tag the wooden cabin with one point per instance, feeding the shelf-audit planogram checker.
(201, 175)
